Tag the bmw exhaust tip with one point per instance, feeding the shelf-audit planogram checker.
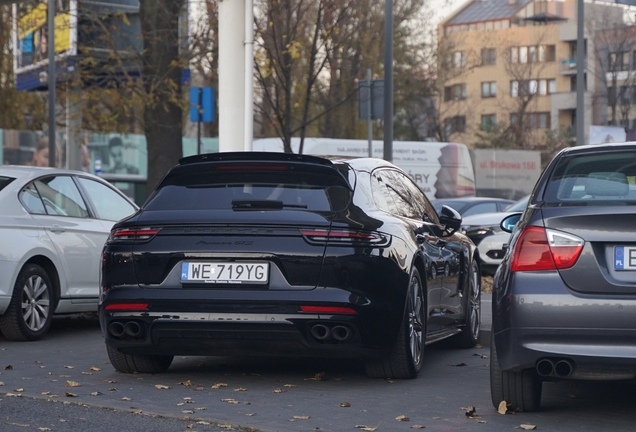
(116, 329)
(320, 332)
(563, 368)
(341, 333)
(545, 367)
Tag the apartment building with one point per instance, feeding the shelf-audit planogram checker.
(513, 62)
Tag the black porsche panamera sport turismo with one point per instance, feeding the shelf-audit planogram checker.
(282, 254)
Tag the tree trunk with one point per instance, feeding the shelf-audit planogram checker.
(162, 82)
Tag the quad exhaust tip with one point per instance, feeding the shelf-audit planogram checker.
(561, 368)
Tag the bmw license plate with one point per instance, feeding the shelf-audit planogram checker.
(624, 258)
(225, 273)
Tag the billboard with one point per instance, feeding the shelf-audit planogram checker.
(506, 173)
(30, 30)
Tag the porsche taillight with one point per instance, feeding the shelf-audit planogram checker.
(346, 237)
(132, 234)
(541, 249)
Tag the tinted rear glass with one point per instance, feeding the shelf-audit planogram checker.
(4, 181)
(594, 180)
(218, 191)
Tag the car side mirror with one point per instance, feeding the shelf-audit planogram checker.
(450, 219)
(509, 222)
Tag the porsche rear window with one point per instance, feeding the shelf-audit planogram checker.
(251, 191)
(4, 181)
(590, 179)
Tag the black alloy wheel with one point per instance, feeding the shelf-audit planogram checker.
(406, 357)
(469, 336)
(30, 312)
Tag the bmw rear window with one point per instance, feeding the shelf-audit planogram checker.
(251, 191)
(597, 179)
(4, 181)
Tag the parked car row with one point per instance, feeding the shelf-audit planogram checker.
(263, 253)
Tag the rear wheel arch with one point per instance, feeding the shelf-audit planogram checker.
(51, 271)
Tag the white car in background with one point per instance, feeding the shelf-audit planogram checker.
(53, 226)
(484, 230)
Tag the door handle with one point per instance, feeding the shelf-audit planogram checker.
(57, 229)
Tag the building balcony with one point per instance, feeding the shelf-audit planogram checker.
(568, 66)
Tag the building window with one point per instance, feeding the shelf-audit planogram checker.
(459, 59)
(532, 54)
(488, 56)
(530, 87)
(532, 120)
(455, 92)
(619, 61)
(455, 124)
(488, 121)
(489, 89)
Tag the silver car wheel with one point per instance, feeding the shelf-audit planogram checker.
(474, 303)
(35, 303)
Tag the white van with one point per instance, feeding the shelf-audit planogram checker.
(441, 170)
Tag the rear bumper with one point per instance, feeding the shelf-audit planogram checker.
(536, 317)
(266, 322)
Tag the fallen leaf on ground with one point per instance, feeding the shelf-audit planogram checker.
(162, 387)
(1, 383)
(45, 393)
(87, 373)
(18, 424)
(503, 407)
(8, 367)
(479, 346)
(38, 362)
(279, 390)
(125, 398)
(418, 427)
(111, 381)
(95, 393)
(44, 429)
(240, 389)
(301, 417)
(402, 418)
(345, 404)
(459, 364)
(320, 376)
(187, 383)
(187, 411)
(251, 415)
(69, 367)
(528, 426)
(366, 428)
(470, 411)
(219, 385)
(95, 369)
(72, 384)
(201, 408)
(230, 401)
(68, 394)
(113, 389)
(19, 390)
(290, 385)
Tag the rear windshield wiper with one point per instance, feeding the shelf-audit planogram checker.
(263, 204)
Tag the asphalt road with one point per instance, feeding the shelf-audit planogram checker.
(65, 382)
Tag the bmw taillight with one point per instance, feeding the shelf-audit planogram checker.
(346, 237)
(541, 249)
(132, 234)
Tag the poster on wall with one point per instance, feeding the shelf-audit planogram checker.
(31, 33)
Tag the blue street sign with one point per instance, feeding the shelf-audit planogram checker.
(202, 104)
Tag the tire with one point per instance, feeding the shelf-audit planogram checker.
(138, 363)
(521, 390)
(469, 336)
(30, 311)
(405, 358)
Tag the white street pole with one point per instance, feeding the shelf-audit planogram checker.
(248, 135)
(231, 75)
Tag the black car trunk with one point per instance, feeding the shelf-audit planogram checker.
(609, 232)
(243, 237)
